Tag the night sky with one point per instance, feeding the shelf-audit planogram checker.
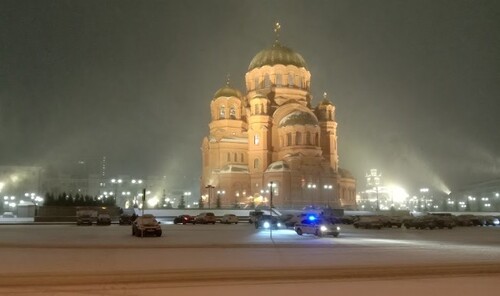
(416, 84)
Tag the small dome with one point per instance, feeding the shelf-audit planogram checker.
(234, 168)
(227, 91)
(325, 102)
(278, 54)
(345, 174)
(278, 166)
(298, 118)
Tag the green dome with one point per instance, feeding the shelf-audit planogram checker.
(276, 55)
(298, 118)
(227, 91)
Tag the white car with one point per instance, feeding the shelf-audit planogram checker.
(8, 215)
(316, 226)
(229, 219)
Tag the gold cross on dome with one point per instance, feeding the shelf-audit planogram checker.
(277, 28)
(324, 95)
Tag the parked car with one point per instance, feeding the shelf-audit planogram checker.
(491, 221)
(205, 218)
(229, 219)
(444, 220)
(422, 222)
(146, 225)
(127, 218)
(317, 227)
(368, 222)
(184, 219)
(103, 219)
(8, 215)
(393, 221)
(267, 221)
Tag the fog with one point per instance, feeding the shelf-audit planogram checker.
(415, 83)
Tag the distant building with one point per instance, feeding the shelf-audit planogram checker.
(272, 133)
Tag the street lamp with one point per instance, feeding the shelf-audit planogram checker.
(116, 182)
(311, 186)
(219, 193)
(328, 187)
(271, 185)
(209, 187)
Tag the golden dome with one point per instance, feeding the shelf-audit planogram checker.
(227, 91)
(278, 54)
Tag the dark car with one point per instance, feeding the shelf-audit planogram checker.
(184, 219)
(444, 220)
(146, 225)
(317, 227)
(205, 218)
(254, 216)
(103, 219)
(368, 222)
(267, 222)
(422, 222)
(127, 218)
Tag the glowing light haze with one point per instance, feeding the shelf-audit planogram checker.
(415, 83)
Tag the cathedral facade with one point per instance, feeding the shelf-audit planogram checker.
(271, 143)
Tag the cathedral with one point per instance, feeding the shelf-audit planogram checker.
(270, 143)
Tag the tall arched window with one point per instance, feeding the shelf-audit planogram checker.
(222, 112)
(228, 156)
(279, 81)
(256, 81)
(267, 81)
(256, 163)
(232, 113)
(289, 139)
(290, 79)
(308, 138)
(298, 138)
(256, 139)
(242, 158)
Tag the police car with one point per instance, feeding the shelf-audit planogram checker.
(316, 226)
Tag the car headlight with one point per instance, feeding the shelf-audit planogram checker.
(323, 228)
(338, 228)
(266, 224)
(279, 224)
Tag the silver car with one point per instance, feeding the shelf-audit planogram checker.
(317, 227)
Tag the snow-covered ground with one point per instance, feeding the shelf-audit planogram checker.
(190, 256)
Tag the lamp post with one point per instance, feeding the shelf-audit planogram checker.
(209, 187)
(311, 186)
(218, 201)
(116, 182)
(328, 187)
(271, 185)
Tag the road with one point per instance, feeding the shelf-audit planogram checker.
(81, 257)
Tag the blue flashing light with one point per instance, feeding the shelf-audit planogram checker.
(311, 218)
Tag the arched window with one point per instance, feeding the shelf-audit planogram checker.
(256, 163)
(290, 79)
(228, 156)
(256, 139)
(235, 157)
(267, 81)
(256, 81)
(279, 81)
(232, 113)
(222, 112)
(289, 139)
(242, 158)
(298, 138)
(308, 138)
(316, 140)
